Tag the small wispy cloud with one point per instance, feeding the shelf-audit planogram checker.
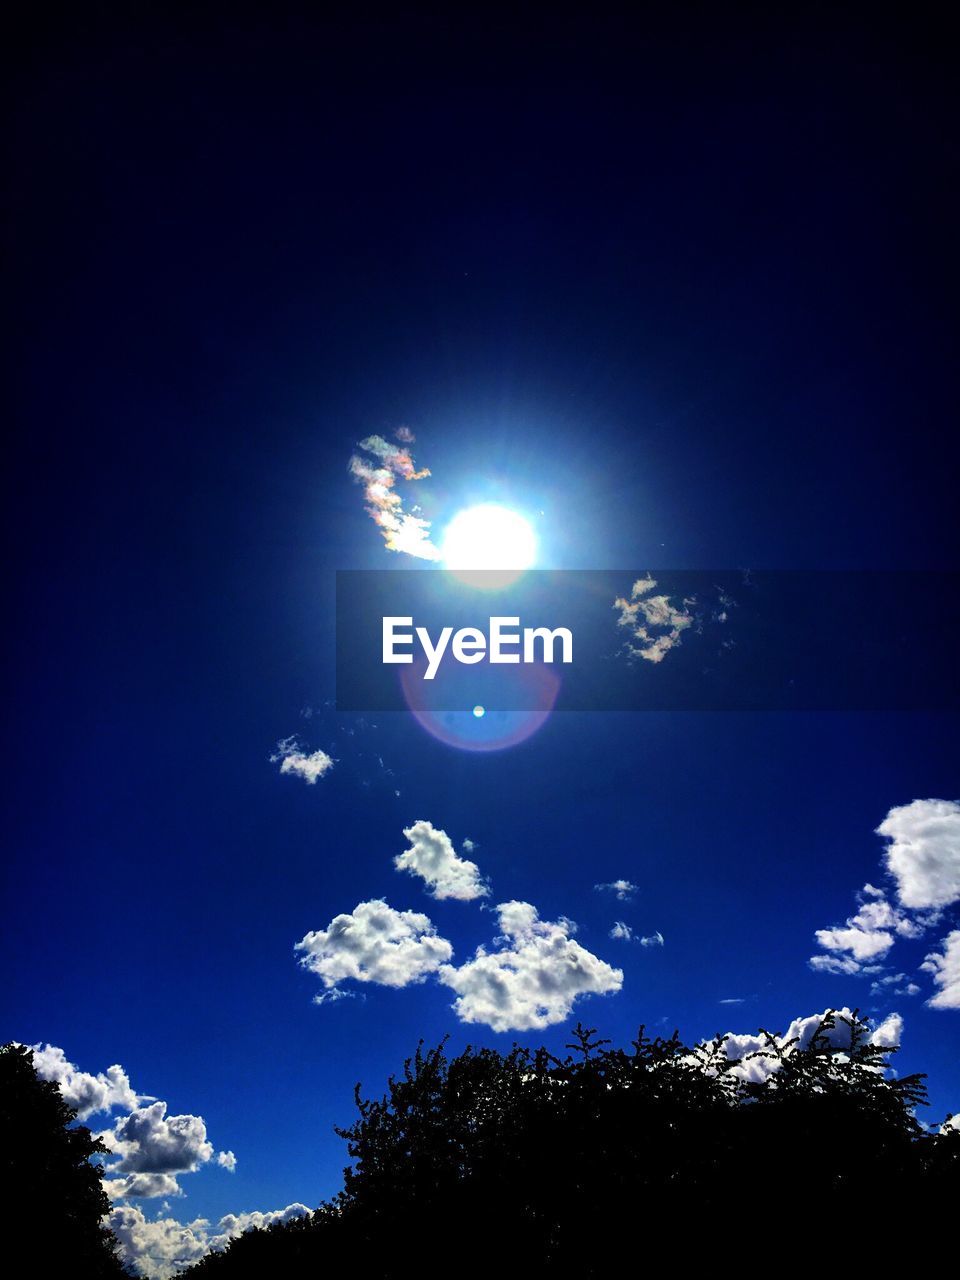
(378, 468)
(655, 623)
(623, 890)
(622, 932)
(306, 765)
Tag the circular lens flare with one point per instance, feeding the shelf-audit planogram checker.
(491, 538)
(517, 701)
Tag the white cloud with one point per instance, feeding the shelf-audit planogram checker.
(922, 857)
(294, 760)
(889, 1032)
(894, 983)
(152, 1148)
(945, 967)
(739, 1045)
(655, 623)
(160, 1247)
(232, 1225)
(623, 933)
(378, 473)
(87, 1093)
(841, 965)
(375, 943)
(142, 1186)
(923, 853)
(148, 1148)
(433, 858)
(227, 1160)
(952, 1122)
(622, 890)
(871, 931)
(532, 978)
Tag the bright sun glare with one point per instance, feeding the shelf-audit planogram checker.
(488, 537)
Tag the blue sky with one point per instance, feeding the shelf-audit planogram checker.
(671, 344)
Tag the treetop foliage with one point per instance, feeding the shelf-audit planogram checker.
(526, 1160)
(54, 1197)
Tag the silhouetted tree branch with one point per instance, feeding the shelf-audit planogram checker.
(528, 1163)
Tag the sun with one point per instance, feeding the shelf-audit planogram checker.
(489, 537)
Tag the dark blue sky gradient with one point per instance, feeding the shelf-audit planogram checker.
(688, 292)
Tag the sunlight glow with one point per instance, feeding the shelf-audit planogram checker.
(489, 537)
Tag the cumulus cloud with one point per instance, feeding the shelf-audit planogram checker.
(432, 857)
(227, 1160)
(945, 967)
(378, 473)
(871, 931)
(147, 1147)
(654, 622)
(621, 932)
(531, 978)
(652, 940)
(922, 860)
(375, 943)
(142, 1186)
(622, 890)
(150, 1141)
(160, 1247)
(151, 1149)
(89, 1094)
(802, 1030)
(923, 852)
(301, 764)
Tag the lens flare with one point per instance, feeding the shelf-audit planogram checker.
(517, 701)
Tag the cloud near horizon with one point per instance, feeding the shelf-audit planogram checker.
(802, 1030)
(158, 1248)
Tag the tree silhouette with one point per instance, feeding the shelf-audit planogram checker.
(525, 1162)
(54, 1200)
